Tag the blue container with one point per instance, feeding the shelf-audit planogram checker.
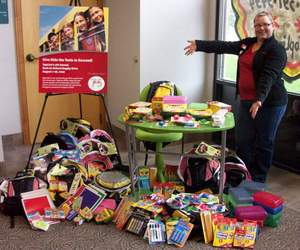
(269, 209)
(252, 186)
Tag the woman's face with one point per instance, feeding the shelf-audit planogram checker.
(96, 14)
(81, 23)
(68, 31)
(263, 27)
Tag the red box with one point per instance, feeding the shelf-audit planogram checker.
(267, 199)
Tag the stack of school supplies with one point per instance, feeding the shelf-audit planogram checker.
(273, 205)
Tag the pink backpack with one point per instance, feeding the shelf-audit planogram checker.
(199, 172)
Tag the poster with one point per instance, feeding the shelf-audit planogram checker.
(287, 27)
(3, 12)
(73, 49)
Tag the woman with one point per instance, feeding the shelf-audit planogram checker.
(263, 97)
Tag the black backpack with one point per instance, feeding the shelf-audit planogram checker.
(51, 138)
(12, 205)
(153, 88)
(199, 173)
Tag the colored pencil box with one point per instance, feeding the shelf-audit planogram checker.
(267, 199)
(270, 210)
(256, 213)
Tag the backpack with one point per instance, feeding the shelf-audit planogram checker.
(51, 138)
(12, 189)
(235, 169)
(65, 140)
(160, 89)
(76, 127)
(199, 173)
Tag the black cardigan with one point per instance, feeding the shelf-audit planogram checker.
(268, 63)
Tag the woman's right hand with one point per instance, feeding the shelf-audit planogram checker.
(191, 48)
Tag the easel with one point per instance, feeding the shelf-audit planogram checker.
(31, 57)
(76, 3)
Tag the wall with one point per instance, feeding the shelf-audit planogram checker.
(9, 97)
(165, 28)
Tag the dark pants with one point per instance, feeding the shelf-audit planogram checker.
(255, 137)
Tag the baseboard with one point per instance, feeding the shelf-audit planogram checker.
(12, 140)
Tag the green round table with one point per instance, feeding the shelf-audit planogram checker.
(154, 127)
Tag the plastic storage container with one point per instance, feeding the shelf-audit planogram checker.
(252, 186)
(273, 220)
(269, 209)
(256, 213)
(267, 199)
(233, 204)
(240, 195)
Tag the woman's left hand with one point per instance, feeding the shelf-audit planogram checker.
(191, 48)
(254, 108)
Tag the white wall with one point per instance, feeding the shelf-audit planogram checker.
(146, 41)
(9, 96)
(165, 28)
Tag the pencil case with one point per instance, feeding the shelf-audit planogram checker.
(267, 199)
(256, 213)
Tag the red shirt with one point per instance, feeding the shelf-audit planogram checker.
(246, 79)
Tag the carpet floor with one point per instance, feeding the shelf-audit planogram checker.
(91, 236)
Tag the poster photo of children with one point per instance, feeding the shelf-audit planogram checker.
(73, 49)
(68, 28)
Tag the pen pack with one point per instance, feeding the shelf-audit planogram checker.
(181, 233)
(156, 232)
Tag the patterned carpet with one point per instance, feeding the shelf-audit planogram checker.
(92, 236)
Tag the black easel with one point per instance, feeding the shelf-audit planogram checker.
(31, 58)
(76, 2)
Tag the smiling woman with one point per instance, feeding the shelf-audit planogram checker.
(263, 98)
(236, 21)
